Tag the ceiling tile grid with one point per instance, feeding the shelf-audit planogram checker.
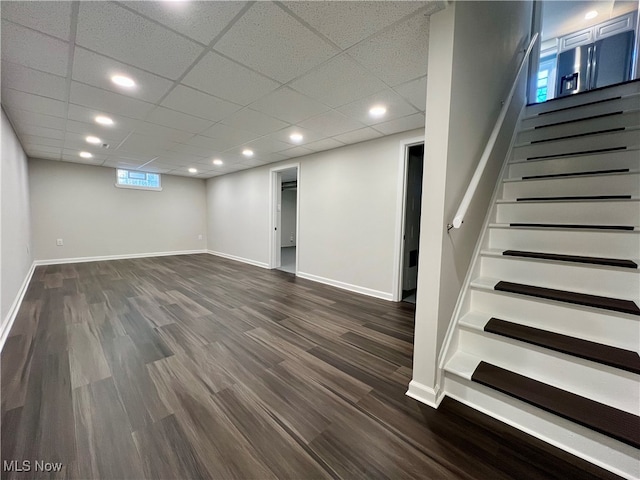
(211, 79)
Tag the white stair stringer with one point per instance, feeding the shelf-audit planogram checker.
(574, 235)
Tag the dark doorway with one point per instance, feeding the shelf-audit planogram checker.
(411, 237)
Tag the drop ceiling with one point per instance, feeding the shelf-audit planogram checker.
(212, 79)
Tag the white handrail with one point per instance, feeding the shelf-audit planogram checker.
(475, 180)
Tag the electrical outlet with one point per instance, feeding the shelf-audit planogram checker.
(59, 242)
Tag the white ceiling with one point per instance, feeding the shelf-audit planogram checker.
(213, 78)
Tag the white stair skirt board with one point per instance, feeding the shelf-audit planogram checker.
(580, 441)
(608, 184)
(255, 263)
(624, 104)
(582, 163)
(347, 286)
(58, 261)
(424, 394)
(7, 322)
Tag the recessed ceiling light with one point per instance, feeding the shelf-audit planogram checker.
(85, 155)
(247, 153)
(123, 81)
(591, 14)
(102, 120)
(377, 111)
(94, 140)
(193, 170)
(217, 161)
(296, 137)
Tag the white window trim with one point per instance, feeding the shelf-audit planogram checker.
(137, 187)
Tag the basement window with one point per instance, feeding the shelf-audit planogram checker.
(138, 180)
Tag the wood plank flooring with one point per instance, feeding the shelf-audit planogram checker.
(200, 367)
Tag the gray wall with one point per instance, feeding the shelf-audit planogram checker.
(288, 227)
(81, 205)
(15, 221)
(474, 52)
(348, 209)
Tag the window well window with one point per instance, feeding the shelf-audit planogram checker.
(136, 179)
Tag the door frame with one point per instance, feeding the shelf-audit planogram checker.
(274, 184)
(400, 212)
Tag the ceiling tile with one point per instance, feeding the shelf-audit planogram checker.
(267, 144)
(185, 99)
(396, 107)
(97, 70)
(201, 21)
(121, 34)
(335, 19)
(23, 118)
(414, 92)
(326, 144)
(16, 100)
(84, 114)
(79, 139)
(144, 145)
(339, 81)
(180, 121)
(46, 153)
(53, 18)
(34, 50)
(398, 54)
(42, 132)
(155, 130)
(357, 136)
(33, 140)
(253, 121)
(73, 156)
(296, 152)
(99, 99)
(33, 81)
(331, 123)
(307, 136)
(403, 124)
(225, 79)
(272, 42)
(289, 105)
(192, 150)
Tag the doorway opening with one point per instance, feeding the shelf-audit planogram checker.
(584, 45)
(284, 218)
(413, 168)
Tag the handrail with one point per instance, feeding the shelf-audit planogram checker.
(475, 180)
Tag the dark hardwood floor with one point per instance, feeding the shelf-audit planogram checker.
(200, 367)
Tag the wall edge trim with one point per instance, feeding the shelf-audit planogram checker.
(347, 286)
(427, 395)
(100, 258)
(255, 263)
(8, 321)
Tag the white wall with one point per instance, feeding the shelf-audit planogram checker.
(15, 222)
(81, 205)
(288, 227)
(474, 52)
(347, 212)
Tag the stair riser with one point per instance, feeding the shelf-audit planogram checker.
(589, 97)
(581, 441)
(570, 242)
(584, 322)
(629, 139)
(608, 161)
(624, 184)
(587, 379)
(609, 212)
(606, 282)
(629, 119)
(620, 105)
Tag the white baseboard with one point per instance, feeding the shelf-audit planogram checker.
(347, 286)
(427, 395)
(239, 259)
(7, 322)
(58, 261)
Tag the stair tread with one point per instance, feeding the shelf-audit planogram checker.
(618, 424)
(586, 156)
(558, 227)
(570, 136)
(576, 198)
(574, 226)
(577, 120)
(588, 300)
(579, 174)
(579, 153)
(615, 357)
(613, 262)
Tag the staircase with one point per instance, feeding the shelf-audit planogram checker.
(547, 330)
